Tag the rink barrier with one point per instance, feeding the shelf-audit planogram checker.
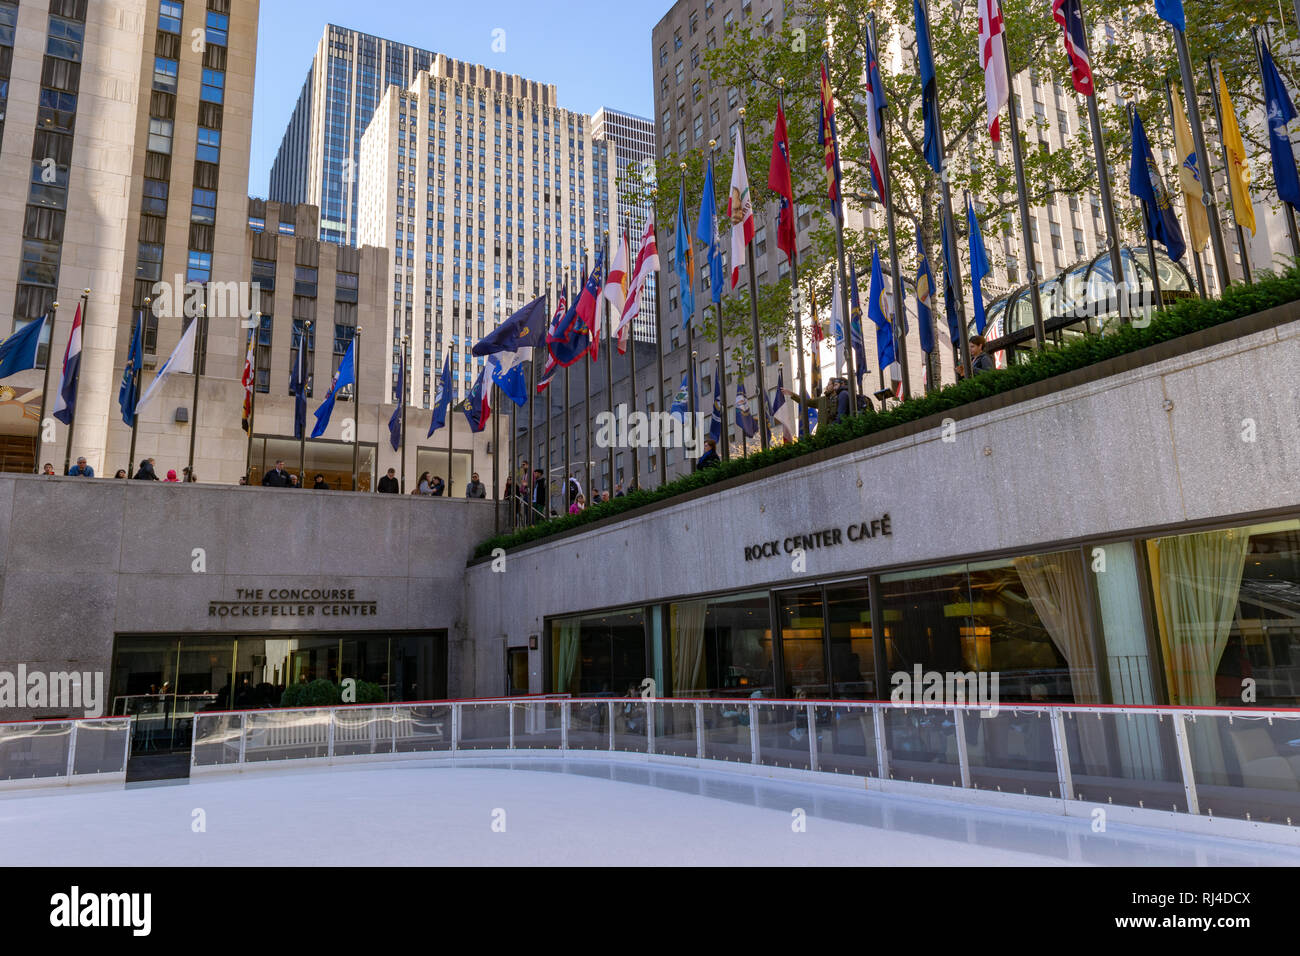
(1207, 770)
(45, 753)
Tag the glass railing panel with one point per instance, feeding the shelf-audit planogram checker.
(484, 726)
(1246, 767)
(631, 724)
(537, 724)
(286, 735)
(1125, 757)
(1011, 751)
(588, 724)
(846, 741)
(363, 730)
(216, 739)
(101, 747)
(922, 745)
(31, 751)
(422, 728)
(726, 731)
(675, 729)
(783, 736)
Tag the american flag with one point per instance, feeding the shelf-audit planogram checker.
(997, 88)
(552, 366)
(1069, 14)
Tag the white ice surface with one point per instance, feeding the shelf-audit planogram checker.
(560, 813)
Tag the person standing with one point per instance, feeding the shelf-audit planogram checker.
(277, 477)
(475, 488)
(321, 484)
(81, 470)
(540, 503)
(389, 485)
(171, 478)
(437, 487)
(49, 470)
(710, 457)
(424, 487)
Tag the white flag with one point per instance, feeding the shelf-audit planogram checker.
(837, 327)
(992, 58)
(181, 360)
(647, 261)
(740, 208)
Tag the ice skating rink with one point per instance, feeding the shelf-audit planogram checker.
(536, 812)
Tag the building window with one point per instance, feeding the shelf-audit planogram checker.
(209, 145)
(160, 136)
(204, 208)
(169, 16)
(199, 267)
(214, 86)
(164, 74)
(218, 26)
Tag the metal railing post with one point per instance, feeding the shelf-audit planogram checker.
(329, 734)
(243, 738)
(455, 727)
(753, 733)
(72, 750)
(510, 715)
(812, 738)
(1063, 776)
(126, 750)
(650, 726)
(699, 731)
(609, 712)
(393, 718)
(882, 751)
(963, 753)
(1185, 762)
(564, 725)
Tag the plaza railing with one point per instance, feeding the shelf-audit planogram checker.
(61, 752)
(1204, 763)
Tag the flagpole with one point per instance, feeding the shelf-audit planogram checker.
(609, 358)
(717, 308)
(514, 466)
(45, 386)
(451, 433)
(135, 391)
(690, 325)
(794, 274)
(1203, 164)
(838, 215)
(1227, 167)
(1148, 216)
(302, 384)
(496, 459)
(1022, 194)
(76, 390)
(659, 346)
(1198, 140)
(356, 407)
(1291, 229)
(759, 372)
(887, 174)
(533, 458)
(586, 402)
(815, 358)
(252, 405)
(632, 370)
(406, 388)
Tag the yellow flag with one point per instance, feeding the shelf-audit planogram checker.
(1190, 175)
(1243, 210)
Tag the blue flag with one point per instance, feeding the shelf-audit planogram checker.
(855, 324)
(443, 397)
(876, 313)
(18, 352)
(298, 389)
(477, 405)
(526, 329)
(950, 285)
(979, 266)
(707, 233)
(570, 340)
(744, 417)
(1171, 11)
(395, 423)
(715, 423)
(680, 406)
(684, 257)
(933, 148)
(1280, 111)
(510, 380)
(924, 295)
(129, 392)
(1146, 184)
(346, 375)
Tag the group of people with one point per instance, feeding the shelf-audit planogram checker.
(146, 472)
(531, 494)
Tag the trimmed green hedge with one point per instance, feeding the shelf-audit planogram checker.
(1183, 318)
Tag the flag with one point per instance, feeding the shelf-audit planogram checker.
(442, 397)
(1189, 174)
(588, 305)
(818, 333)
(707, 233)
(744, 417)
(880, 311)
(181, 360)
(477, 405)
(1146, 183)
(395, 423)
(828, 139)
(1069, 14)
(647, 261)
(740, 208)
(616, 282)
(1243, 207)
(18, 352)
(855, 325)
(782, 410)
(715, 423)
(924, 295)
(780, 182)
(979, 267)
(510, 379)
(568, 341)
(932, 146)
(684, 256)
(876, 125)
(812, 424)
(517, 335)
(1280, 112)
(65, 406)
(345, 376)
(298, 386)
(552, 367)
(246, 380)
(1171, 11)
(997, 87)
(837, 325)
(681, 404)
(950, 280)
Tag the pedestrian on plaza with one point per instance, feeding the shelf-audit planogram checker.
(49, 470)
(81, 470)
(121, 473)
(980, 361)
(321, 484)
(389, 485)
(475, 488)
(277, 477)
(541, 495)
(425, 485)
(710, 457)
(579, 505)
(293, 481)
(171, 478)
(437, 487)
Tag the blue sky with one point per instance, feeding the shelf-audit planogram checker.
(596, 53)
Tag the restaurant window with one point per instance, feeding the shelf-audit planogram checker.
(599, 655)
(721, 647)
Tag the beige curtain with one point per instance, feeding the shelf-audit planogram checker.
(1197, 581)
(687, 625)
(566, 656)
(1056, 588)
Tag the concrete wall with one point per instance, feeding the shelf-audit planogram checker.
(1156, 445)
(81, 561)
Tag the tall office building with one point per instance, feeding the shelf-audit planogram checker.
(320, 153)
(485, 190)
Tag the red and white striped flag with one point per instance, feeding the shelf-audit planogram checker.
(247, 378)
(997, 88)
(740, 209)
(647, 261)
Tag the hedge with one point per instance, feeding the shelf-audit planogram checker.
(1172, 322)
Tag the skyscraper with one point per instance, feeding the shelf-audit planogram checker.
(633, 138)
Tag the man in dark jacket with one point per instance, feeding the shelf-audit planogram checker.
(389, 485)
(710, 456)
(980, 361)
(146, 472)
(541, 495)
(826, 405)
(321, 484)
(277, 477)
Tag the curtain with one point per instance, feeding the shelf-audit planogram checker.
(566, 656)
(1197, 580)
(688, 647)
(1056, 589)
